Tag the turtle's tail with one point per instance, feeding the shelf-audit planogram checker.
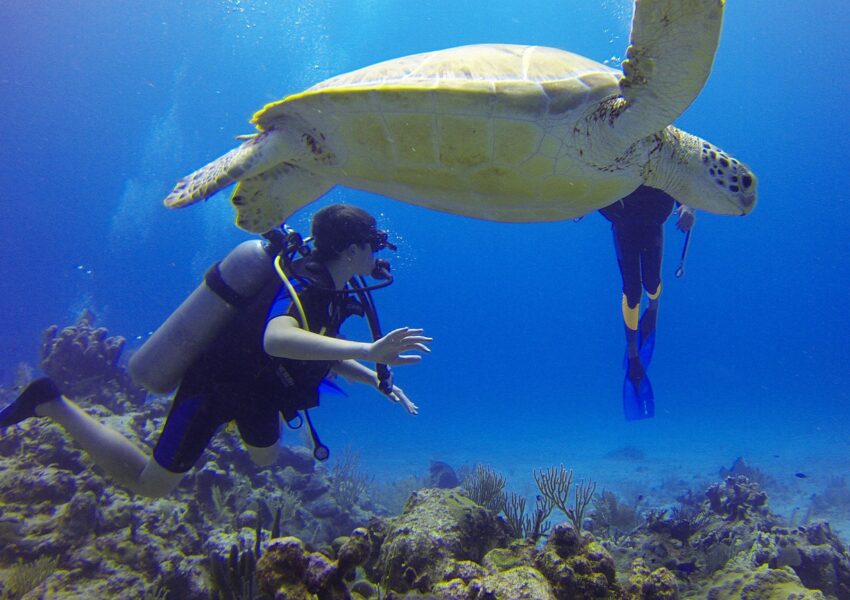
(255, 155)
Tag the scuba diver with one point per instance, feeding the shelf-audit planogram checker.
(637, 222)
(256, 339)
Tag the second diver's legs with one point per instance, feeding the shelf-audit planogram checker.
(122, 460)
(627, 243)
(646, 328)
(638, 399)
(650, 262)
(637, 392)
(631, 324)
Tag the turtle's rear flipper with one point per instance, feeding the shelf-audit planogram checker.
(638, 399)
(268, 199)
(258, 153)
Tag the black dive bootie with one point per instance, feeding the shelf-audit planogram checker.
(23, 407)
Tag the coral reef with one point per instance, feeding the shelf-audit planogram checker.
(741, 468)
(577, 565)
(84, 363)
(644, 584)
(731, 533)
(437, 530)
(110, 544)
(612, 516)
(763, 583)
(287, 570)
(66, 532)
(207, 540)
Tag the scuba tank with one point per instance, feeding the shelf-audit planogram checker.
(228, 285)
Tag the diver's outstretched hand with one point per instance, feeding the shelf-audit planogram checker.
(398, 395)
(687, 218)
(390, 349)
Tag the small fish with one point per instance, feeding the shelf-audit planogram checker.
(800, 475)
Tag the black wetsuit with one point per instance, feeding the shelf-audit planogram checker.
(638, 225)
(235, 380)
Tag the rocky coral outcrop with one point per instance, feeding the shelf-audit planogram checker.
(645, 584)
(731, 533)
(578, 566)
(84, 363)
(763, 583)
(288, 571)
(438, 529)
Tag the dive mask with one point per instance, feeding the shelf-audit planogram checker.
(378, 241)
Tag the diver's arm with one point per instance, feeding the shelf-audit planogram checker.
(285, 339)
(354, 371)
(687, 218)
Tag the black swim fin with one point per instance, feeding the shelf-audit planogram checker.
(23, 407)
(638, 398)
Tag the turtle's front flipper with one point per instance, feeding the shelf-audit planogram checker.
(258, 153)
(268, 199)
(673, 43)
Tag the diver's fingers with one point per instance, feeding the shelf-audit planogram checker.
(399, 396)
(400, 333)
(403, 332)
(414, 346)
(418, 339)
(405, 359)
(413, 330)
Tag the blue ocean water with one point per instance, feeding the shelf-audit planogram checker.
(105, 105)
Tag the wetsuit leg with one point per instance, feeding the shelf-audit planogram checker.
(650, 259)
(637, 391)
(652, 247)
(628, 248)
(191, 423)
(627, 245)
(259, 426)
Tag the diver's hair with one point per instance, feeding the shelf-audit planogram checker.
(337, 226)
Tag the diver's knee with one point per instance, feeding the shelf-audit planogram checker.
(155, 481)
(655, 292)
(263, 457)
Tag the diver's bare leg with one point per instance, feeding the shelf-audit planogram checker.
(122, 460)
(263, 457)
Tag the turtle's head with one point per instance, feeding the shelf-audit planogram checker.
(732, 185)
(701, 175)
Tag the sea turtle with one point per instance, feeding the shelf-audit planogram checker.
(497, 132)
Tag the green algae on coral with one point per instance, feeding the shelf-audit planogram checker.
(762, 584)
